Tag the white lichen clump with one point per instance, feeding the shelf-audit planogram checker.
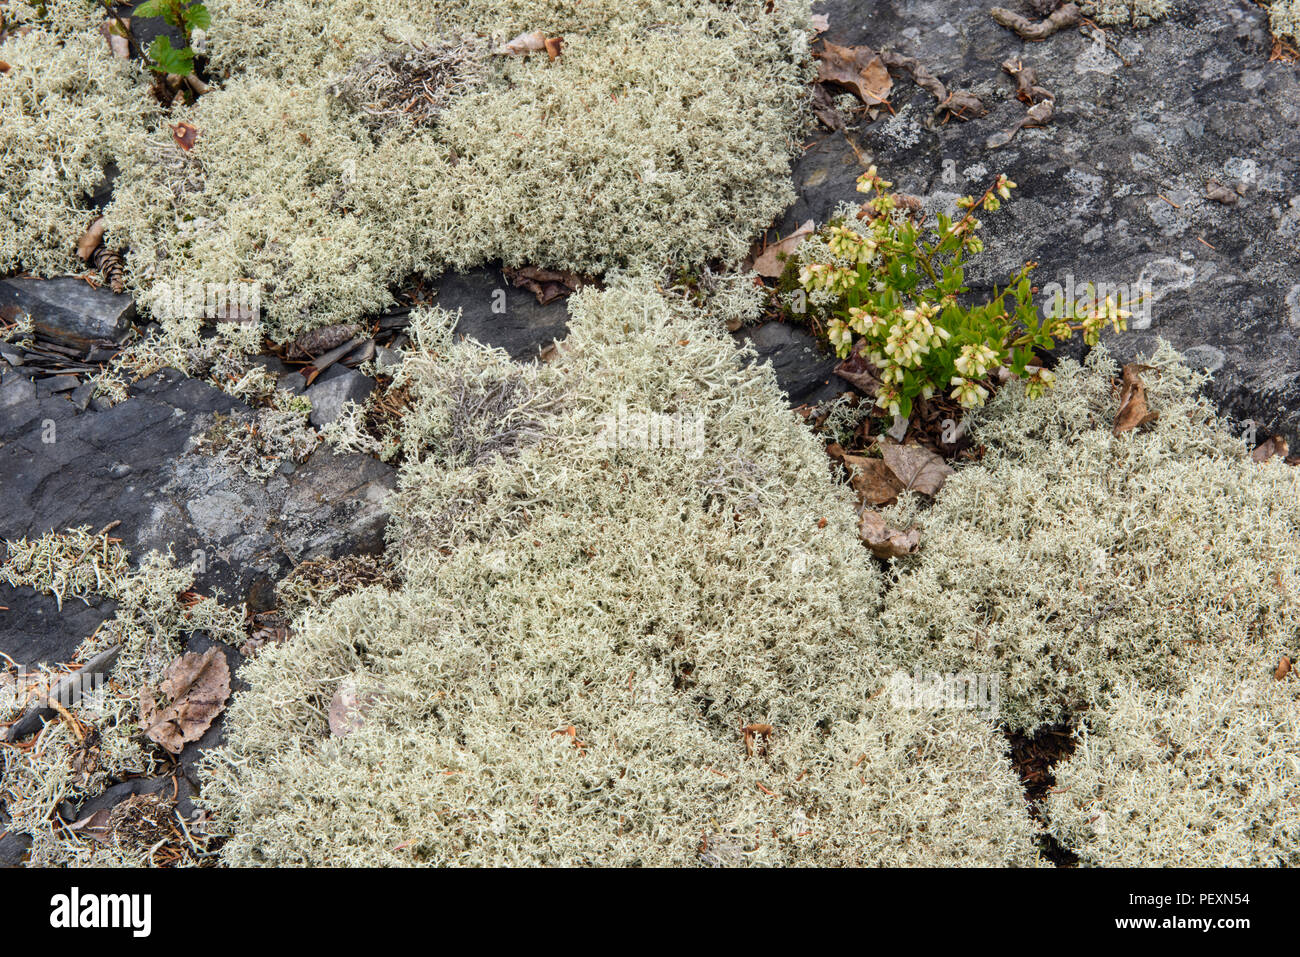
(661, 135)
(593, 608)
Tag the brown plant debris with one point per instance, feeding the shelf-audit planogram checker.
(1283, 668)
(859, 70)
(547, 285)
(311, 344)
(957, 104)
(91, 239)
(192, 694)
(185, 134)
(110, 267)
(917, 468)
(1067, 16)
(770, 263)
(873, 480)
(1133, 412)
(1273, 447)
(414, 82)
(754, 731)
(1221, 194)
(532, 42)
(886, 542)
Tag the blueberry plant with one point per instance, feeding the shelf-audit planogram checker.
(894, 286)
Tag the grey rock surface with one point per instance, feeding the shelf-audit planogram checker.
(1114, 189)
(135, 463)
(803, 369)
(69, 311)
(333, 390)
(497, 314)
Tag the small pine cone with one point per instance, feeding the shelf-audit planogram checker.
(109, 265)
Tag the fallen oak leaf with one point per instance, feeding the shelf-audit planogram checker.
(1133, 412)
(886, 542)
(771, 263)
(858, 69)
(192, 694)
(917, 468)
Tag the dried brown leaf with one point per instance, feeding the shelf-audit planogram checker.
(1220, 194)
(858, 370)
(1067, 16)
(771, 263)
(1270, 448)
(524, 44)
(886, 542)
(1133, 412)
(185, 134)
(91, 239)
(873, 480)
(858, 69)
(917, 468)
(1283, 668)
(192, 694)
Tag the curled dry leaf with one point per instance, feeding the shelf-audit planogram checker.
(1283, 668)
(1133, 412)
(1219, 193)
(858, 370)
(554, 47)
(958, 104)
(858, 69)
(886, 542)
(771, 262)
(1275, 447)
(524, 44)
(91, 239)
(917, 468)
(873, 480)
(1068, 16)
(823, 107)
(185, 134)
(192, 694)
